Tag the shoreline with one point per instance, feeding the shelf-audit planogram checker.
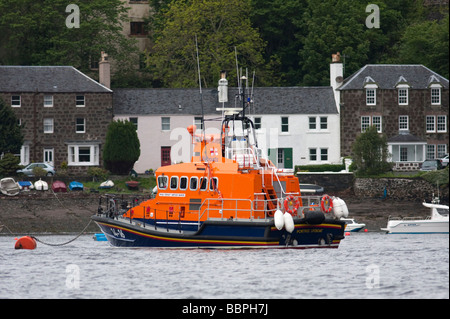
(41, 213)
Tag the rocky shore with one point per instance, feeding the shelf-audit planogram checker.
(69, 213)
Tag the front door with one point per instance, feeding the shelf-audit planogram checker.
(165, 156)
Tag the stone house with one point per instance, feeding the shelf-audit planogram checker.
(407, 103)
(63, 113)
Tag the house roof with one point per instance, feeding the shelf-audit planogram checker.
(388, 76)
(406, 138)
(267, 100)
(48, 79)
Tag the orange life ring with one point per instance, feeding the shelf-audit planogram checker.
(326, 204)
(291, 204)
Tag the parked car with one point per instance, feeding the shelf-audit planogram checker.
(28, 170)
(444, 160)
(431, 165)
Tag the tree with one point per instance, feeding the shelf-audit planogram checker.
(122, 147)
(36, 33)
(427, 43)
(370, 153)
(220, 26)
(11, 135)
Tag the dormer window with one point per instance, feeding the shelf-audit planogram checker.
(435, 96)
(371, 96)
(403, 96)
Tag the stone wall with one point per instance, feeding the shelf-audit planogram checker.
(416, 189)
(398, 188)
(331, 182)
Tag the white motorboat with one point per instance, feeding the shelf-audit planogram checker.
(352, 225)
(436, 223)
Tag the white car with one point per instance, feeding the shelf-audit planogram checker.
(28, 170)
(444, 160)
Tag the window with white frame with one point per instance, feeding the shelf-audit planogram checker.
(165, 123)
(257, 122)
(83, 155)
(442, 123)
(48, 100)
(403, 96)
(313, 154)
(365, 123)
(435, 96)
(323, 123)
(371, 98)
(403, 154)
(15, 101)
(376, 120)
(198, 122)
(48, 125)
(324, 154)
(403, 123)
(80, 125)
(134, 120)
(80, 101)
(312, 122)
(284, 124)
(430, 124)
(431, 151)
(441, 150)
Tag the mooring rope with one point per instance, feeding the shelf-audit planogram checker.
(52, 244)
(65, 243)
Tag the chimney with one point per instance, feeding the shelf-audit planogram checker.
(336, 77)
(104, 70)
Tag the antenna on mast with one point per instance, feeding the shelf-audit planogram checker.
(201, 96)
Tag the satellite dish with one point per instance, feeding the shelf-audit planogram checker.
(339, 79)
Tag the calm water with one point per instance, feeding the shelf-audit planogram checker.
(366, 265)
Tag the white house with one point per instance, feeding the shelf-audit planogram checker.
(295, 125)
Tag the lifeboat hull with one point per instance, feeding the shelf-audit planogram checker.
(223, 234)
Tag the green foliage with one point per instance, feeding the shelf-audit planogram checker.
(220, 27)
(427, 43)
(370, 153)
(39, 171)
(9, 165)
(11, 136)
(439, 177)
(97, 173)
(35, 33)
(122, 147)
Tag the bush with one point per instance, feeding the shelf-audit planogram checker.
(320, 168)
(97, 173)
(9, 165)
(122, 147)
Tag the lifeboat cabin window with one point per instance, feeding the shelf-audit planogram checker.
(214, 183)
(174, 182)
(194, 183)
(203, 183)
(162, 182)
(183, 183)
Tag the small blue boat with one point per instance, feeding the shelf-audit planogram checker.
(75, 186)
(100, 237)
(25, 185)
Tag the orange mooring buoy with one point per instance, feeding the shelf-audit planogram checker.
(25, 242)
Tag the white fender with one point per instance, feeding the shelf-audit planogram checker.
(279, 220)
(344, 209)
(288, 222)
(337, 207)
